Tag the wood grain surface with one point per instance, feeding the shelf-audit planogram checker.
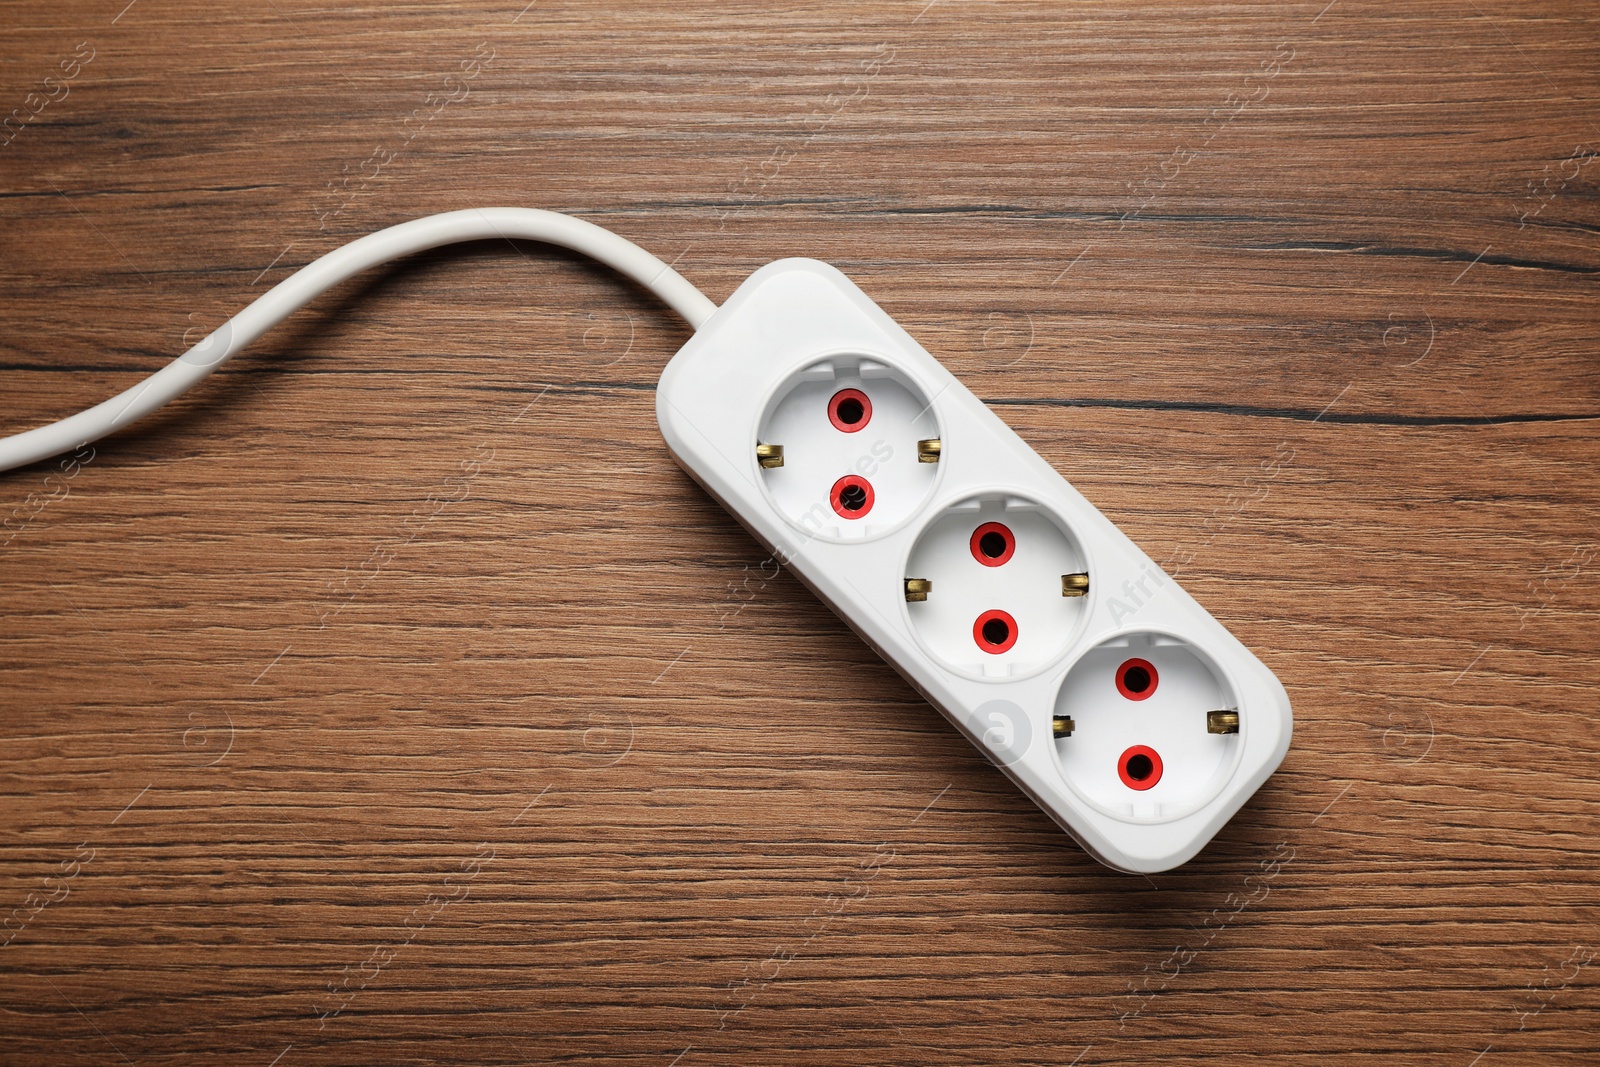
(393, 698)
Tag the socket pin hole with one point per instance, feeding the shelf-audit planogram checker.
(992, 544)
(1139, 768)
(1136, 679)
(849, 410)
(995, 632)
(851, 496)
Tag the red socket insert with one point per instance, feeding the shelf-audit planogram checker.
(849, 410)
(992, 544)
(1139, 767)
(851, 496)
(1136, 680)
(995, 631)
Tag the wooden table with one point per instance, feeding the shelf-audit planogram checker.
(393, 698)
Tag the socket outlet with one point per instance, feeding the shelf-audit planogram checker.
(849, 428)
(994, 606)
(1147, 742)
(1132, 717)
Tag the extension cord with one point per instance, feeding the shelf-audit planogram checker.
(1102, 689)
(1086, 674)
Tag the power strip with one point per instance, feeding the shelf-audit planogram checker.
(1105, 692)
(1108, 695)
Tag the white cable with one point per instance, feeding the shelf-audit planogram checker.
(317, 277)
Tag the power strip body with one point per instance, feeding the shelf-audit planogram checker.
(797, 351)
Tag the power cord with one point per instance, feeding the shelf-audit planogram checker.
(317, 277)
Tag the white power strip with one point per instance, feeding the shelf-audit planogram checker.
(1106, 693)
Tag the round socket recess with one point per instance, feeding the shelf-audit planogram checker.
(849, 427)
(996, 607)
(1140, 747)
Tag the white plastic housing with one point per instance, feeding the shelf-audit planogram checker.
(763, 370)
